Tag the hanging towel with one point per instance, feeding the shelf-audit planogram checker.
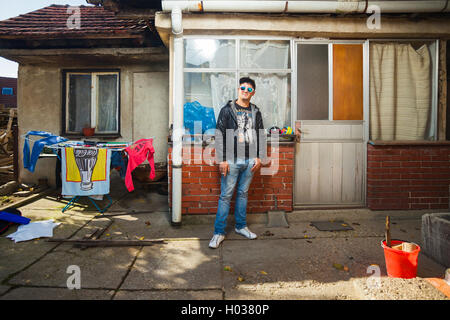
(85, 171)
(138, 153)
(29, 162)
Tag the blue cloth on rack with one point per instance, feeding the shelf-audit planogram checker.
(119, 162)
(29, 161)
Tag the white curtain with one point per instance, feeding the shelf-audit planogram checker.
(107, 100)
(400, 92)
(272, 89)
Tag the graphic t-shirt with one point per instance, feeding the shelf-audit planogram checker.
(244, 130)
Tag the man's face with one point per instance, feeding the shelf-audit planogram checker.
(244, 91)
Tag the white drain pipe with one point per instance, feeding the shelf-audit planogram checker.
(360, 6)
(178, 101)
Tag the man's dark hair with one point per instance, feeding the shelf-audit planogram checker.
(247, 80)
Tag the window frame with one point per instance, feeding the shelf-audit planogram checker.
(94, 95)
(330, 43)
(7, 94)
(435, 79)
(238, 71)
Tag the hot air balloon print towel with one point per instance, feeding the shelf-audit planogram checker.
(85, 171)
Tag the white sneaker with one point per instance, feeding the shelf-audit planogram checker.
(246, 233)
(216, 240)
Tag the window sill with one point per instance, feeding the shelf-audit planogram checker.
(101, 137)
(409, 143)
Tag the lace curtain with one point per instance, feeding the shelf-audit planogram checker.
(262, 60)
(107, 103)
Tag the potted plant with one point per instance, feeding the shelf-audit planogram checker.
(88, 131)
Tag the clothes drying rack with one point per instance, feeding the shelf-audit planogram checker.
(119, 146)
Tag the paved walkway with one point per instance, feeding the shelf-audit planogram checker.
(299, 262)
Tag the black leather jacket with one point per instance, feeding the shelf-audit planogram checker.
(228, 120)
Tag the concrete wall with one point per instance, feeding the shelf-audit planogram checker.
(151, 111)
(143, 107)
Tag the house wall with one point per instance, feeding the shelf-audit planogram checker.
(408, 176)
(201, 181)
(143, 107)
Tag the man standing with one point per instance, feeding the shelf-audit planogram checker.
(240, 145)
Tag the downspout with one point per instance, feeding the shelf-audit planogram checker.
(178, 100)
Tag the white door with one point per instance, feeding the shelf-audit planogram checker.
(329, 164)
(331, 155)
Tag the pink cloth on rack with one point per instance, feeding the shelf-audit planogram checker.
(137, 153)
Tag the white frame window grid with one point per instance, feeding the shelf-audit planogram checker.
(236, 69)
(329, 43)
(94, 98)
(293, 69)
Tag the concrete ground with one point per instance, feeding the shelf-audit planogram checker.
(299, 262)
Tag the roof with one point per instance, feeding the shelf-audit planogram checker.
(58, 21)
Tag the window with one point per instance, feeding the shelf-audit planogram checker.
(329, 81)
(403, 90)
(92, 100)
(7, 91)
(213, 68)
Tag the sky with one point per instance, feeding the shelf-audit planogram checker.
(9, 9)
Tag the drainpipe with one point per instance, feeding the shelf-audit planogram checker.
(178, 100)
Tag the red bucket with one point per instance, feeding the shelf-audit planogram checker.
(400, 264)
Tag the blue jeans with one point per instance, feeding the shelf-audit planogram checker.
(240, 174)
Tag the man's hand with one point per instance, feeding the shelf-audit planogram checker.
(257, 165)
(224, 168)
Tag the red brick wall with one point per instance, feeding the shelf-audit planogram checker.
(201, 183)
(408, 177)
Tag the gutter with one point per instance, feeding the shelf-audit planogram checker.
(337, 7)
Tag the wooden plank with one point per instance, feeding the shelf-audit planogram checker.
(359, 173)
(303, 173)
(347, 81)
(348, 172)
(108, 243)
(325, 172)
(314, 173)
(337, 173)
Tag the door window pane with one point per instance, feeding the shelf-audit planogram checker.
(312, 82)
(209, 53)
(79, 113)
(107, 103)
(273, 98)
(264, 54)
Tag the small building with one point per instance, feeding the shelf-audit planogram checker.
(83, 66)
(8, 93)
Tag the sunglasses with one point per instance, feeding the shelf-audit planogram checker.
(250, 90)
